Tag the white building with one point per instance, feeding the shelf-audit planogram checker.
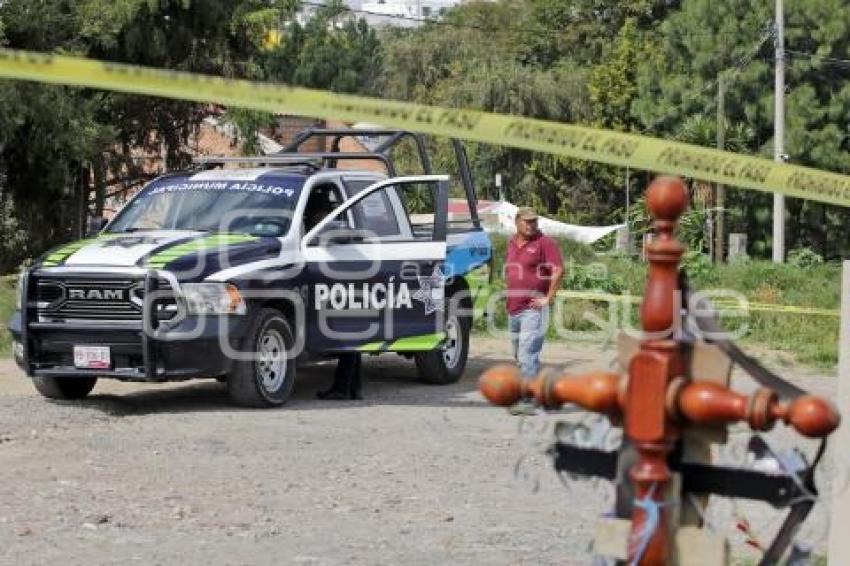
(404, 13)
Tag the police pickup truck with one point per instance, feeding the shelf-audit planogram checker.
(236, 271)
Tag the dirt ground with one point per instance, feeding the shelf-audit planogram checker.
(172, 474)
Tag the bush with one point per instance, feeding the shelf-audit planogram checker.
(13, 239)
(7, 307)
(591, 277)
(699, 268)
(804, 258)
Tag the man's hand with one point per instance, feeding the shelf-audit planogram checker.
(540, 302)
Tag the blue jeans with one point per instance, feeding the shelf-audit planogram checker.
(528, 329)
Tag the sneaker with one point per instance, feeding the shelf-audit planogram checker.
(523, 408)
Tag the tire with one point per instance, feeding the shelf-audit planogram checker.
(262, 382)
(64, 388)
(446, 364)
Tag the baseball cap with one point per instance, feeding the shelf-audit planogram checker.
(526, 213)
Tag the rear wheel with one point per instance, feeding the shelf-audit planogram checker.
(65, 388)
(267, 379)
(446, 364)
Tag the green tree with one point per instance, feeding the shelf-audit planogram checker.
(583, 30)
(705, 39)
(59, 145)
(331, 51)
(613, 83)
(479, 58)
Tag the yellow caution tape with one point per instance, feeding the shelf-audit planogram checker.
(721, 305)
(605, 146)
(769, 307)
(594, 296)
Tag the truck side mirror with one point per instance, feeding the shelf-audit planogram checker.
(94, 224)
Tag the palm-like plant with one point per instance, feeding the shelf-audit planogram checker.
(700, 129)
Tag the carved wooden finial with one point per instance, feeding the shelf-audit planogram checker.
(812, 416)
(502, 385)
(666, 199)
(600, 392)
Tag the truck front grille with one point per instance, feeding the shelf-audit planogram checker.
(96, 299)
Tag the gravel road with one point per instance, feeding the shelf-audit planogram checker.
(172, 474)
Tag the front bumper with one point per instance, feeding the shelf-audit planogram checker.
(192, 347)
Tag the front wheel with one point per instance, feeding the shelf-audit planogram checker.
(446, 364)
(64, 388)
(267, 379)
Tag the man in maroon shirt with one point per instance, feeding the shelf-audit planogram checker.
(533, 271)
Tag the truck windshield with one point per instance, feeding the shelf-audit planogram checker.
(250, 209)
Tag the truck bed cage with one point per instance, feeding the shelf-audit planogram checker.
(292, 156)
(313, 160)
(338, 134)
(394, 137)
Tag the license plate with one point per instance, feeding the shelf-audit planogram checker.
(92, 357)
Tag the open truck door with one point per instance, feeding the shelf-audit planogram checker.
(375, 269)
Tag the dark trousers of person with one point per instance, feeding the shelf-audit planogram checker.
(347, 380)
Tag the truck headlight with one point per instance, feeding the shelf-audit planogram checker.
(213, 298)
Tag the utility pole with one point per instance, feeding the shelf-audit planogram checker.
(627, 220)
(779, 132)
(720, 200)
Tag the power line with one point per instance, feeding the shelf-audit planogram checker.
(823, 59)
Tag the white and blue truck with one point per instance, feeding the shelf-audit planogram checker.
(241, 267)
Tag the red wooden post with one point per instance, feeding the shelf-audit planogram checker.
(655, 400)
(651, 370)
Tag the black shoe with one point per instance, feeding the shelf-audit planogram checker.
(332, 395)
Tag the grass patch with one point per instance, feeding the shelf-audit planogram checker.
(7, 307)
(811, 339)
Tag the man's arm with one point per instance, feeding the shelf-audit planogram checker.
(557, 274)
(552, 257)
(555, 282)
